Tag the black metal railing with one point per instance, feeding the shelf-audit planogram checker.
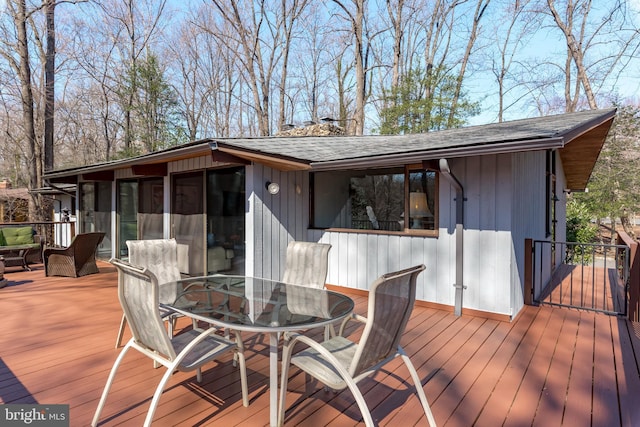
(586, 276)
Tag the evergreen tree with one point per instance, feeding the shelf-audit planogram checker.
(157, 121)
(422, 102)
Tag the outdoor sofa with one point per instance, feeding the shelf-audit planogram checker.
(20, 245)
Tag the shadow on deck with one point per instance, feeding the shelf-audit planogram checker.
(549, 367)
(587, 287)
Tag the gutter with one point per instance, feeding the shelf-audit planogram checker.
(445, 170)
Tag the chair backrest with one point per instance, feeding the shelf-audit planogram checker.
(307, 264)
(390, 304)
(160, 256)
(138, 295)
(85, 245)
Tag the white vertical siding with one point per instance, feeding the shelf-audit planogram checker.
(504, 205)
(277, 219)
(487, 184)
(528, 213)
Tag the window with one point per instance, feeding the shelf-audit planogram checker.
(386, 200)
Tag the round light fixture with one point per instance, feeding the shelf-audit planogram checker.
(272, 187)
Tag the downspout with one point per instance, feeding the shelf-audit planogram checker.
(445, 170)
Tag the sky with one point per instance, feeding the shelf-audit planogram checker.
(484, 87)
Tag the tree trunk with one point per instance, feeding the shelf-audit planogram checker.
(575, 54)
(480, 8)
(358, 24)
(26, 95)
(49, 71)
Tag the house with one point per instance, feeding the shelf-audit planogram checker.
(461, 201)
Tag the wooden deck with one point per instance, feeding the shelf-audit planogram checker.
(550, 367)
(586, 286)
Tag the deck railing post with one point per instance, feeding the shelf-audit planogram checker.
(633, 285)
(528, 271)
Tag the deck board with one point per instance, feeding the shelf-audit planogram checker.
(550, 366)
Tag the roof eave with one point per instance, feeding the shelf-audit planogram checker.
(181, 152)
(279, 162)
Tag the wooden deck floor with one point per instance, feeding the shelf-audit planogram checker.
(588, 287)
(550, 367)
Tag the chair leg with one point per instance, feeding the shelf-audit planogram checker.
(418, 384)
(357, 394)
(123, 323)
(107, 386)
(287, 348)
(157, 394)
(243, 373)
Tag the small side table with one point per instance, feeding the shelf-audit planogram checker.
(3, 281)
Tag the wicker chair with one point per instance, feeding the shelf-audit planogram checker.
(138, 293)
(340, 363)
(76, 260)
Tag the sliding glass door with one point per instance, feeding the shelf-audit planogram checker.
(127, 209)
(188, 220)
(151, 208)
(95, 213)
(226, 205)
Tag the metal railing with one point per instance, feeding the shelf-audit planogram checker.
(633, 286)
(586, 276)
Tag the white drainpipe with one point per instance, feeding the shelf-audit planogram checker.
(445, 170)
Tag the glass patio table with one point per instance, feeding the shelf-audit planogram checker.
(263, 306)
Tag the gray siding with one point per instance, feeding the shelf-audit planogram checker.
(504, 205)
(528, 215)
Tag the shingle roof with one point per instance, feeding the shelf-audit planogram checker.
(578, 137)
(518, 135)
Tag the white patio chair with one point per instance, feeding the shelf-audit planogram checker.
(306, 264)
(160, 256)
(138, 293)
(340, 363)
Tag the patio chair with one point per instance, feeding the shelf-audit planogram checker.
(340, 363)
(138, 292)
(76, 260)
(306, 264)
(160, 256)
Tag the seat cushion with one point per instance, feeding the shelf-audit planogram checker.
(15, 236)
(314, 364)
(3, 241)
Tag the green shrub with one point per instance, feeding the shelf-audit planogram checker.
(579, 230)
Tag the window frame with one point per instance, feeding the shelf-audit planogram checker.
(406, 231)
(436, 199)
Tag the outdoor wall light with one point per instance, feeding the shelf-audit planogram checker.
(272, 187)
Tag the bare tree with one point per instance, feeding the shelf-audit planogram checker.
(481, 6)
(22, 65)
(135, 24)
(49, 102)
(356, 18)
(514, 26)
(291, 12)
(254, 39)
(395, 12)
(599, 35)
